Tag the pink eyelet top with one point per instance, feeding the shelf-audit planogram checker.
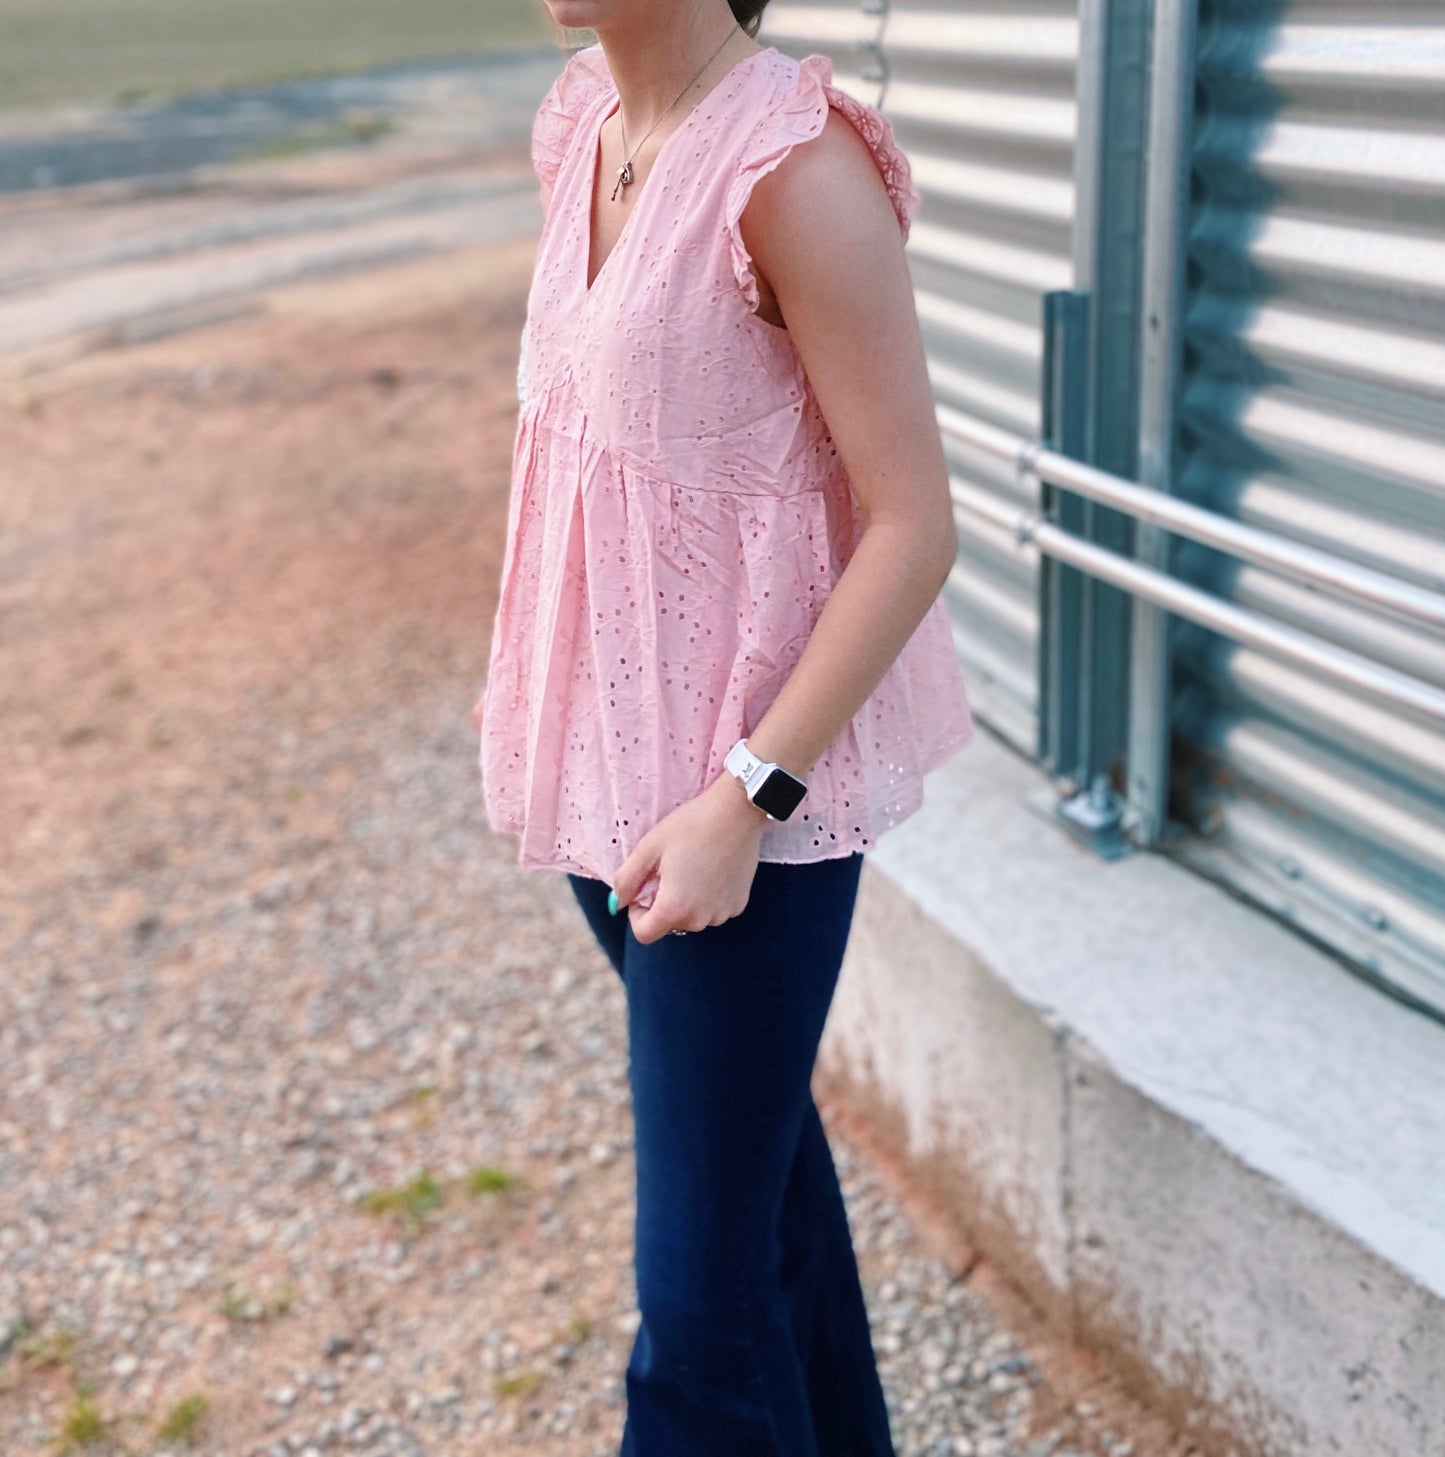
(678, 511)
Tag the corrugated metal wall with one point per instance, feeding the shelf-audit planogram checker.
(1311, 400)
(1313, 405)
(849, 35)
(982, 99)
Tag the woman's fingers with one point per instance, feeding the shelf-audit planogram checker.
(635, 872)
(662, 917)
(648, 893)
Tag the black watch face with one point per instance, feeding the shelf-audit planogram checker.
(780, 794)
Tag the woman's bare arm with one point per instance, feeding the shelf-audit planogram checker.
(822, 232)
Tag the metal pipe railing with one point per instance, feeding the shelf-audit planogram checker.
(1279, 640)
(1305, 564)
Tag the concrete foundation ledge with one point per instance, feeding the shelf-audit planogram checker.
(1204, 1148)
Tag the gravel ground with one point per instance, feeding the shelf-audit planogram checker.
(315, 1135)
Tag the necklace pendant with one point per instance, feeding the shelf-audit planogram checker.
(624, 176)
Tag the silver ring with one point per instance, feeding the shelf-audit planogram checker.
(677, 933)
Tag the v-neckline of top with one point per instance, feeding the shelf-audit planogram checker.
(593, 172)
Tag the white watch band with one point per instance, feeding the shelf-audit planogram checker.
(745, 765)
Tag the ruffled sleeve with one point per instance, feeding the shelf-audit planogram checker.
(555, 124)
(802, 115)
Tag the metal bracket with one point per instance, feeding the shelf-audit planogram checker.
(1096, 819)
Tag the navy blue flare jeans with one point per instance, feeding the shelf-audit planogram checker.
(754, 1338)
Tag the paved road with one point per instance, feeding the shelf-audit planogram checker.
(485, 98)
(178, 233)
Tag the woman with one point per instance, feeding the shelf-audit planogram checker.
(720, 665)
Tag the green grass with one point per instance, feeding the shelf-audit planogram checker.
(420, 1200)
(237, 1304)
(415, 1200)
(524, 1383)
(488, 1179)
(180, 1426)
(49, 1348)
(100, 52)
(83, 1425)
(314, 139)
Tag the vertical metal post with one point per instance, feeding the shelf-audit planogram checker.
(1109, 192)
(1168, 169)
(1090, 87)
(1065, 666)
(1069, 662)
(1090, 406)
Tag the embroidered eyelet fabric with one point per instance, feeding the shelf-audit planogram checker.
(679, 513)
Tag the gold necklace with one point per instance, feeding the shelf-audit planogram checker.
(624, 172)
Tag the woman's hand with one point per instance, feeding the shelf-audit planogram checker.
(702, 857)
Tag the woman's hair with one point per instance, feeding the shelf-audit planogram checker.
(749, 14)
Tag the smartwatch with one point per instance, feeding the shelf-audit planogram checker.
(776, 792)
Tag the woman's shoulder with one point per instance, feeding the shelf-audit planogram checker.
(588, 65)
(582, 79)
(792, 105)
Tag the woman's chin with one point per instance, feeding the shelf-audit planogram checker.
(578, 14)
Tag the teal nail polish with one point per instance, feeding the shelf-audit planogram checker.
(612, 902)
